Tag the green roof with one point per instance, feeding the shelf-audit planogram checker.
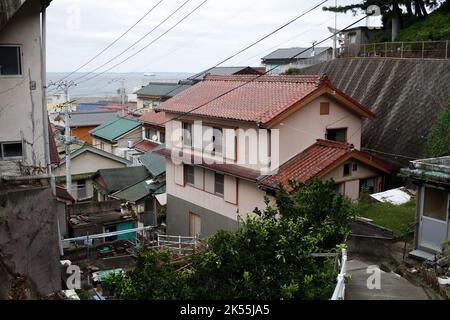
(155, 163)
(121, 178)
(141, 190)
(113, 129)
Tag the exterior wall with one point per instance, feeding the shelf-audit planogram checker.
(102, 145)
(21, 109)
(86, 163)
(248, 195)
(82, 133)
(304, 127)
(178, 218)
(134, 135)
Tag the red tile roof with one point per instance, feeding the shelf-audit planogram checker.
(54, 156)
(253, 99)
(145, 146)
(154, 118)
(62, 193)
(316, 161)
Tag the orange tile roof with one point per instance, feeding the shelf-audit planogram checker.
(152, 117)
(253, 99)
(316, 160)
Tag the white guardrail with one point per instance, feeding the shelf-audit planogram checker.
(339, 291)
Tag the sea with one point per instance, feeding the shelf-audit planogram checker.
(108, 85)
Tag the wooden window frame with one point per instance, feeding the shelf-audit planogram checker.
(324, 108)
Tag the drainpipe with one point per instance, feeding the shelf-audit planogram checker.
(44, 84)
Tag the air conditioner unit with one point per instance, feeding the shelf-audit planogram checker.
(130, 144)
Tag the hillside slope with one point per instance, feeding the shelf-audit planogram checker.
(405, 94)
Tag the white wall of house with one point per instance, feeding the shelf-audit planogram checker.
(83, 164)
(21, 110)
(239, 195)
(304, 127)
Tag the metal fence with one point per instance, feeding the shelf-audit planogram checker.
(339, 291)
(403, 50)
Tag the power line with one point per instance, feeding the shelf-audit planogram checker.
(139, 40)
(255, 43)
(114, 42)
(259, 76)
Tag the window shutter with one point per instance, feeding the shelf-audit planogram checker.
(230, 144)
(179, 174)
(324, 108)
(231, 189)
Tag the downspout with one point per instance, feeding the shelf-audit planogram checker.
(44, 93)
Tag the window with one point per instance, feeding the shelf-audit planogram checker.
(339, 135)
(187, 134)
(355, 167)
(324, 108)
(10, 60)
(189, 174)
(11, 150)
(367, 185)
(217, 140)
(218, 184)
(162, 137)
(151, 134)
(346, 169)
(110, 229)
(81, 189)
(435, 204)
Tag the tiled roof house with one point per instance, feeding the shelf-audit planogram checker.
(313, 130)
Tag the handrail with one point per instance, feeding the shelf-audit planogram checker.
(437, 49)
(339, 291)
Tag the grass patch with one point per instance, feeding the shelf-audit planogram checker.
(399, 219)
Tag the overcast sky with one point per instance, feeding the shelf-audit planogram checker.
(78, 29)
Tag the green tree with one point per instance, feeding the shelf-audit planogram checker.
(438, 141)
(269, 257)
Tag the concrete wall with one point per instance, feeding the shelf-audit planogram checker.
(21, 110)
(178, 213)
(29, 236)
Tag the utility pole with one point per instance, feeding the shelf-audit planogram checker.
(65, 86)
(335, 36)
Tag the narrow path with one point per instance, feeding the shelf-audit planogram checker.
(391, 285)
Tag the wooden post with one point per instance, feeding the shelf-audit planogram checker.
(385, 49)
(401, 53)
(423, 49)
(446, 49)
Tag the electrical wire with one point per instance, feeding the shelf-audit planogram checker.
(145, 47)
(114, 42)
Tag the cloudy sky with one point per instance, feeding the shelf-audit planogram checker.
(79, 29)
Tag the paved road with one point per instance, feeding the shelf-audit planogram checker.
(391, 285)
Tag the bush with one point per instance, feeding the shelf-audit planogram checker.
(269, 257)
(438, 141)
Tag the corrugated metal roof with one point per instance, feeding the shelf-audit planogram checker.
(90, 118)
(114, 128)
(141, 190)
(121, 178)
(288, 53)
(161, 89)
(154, 162)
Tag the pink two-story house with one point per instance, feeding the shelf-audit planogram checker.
(231, 141)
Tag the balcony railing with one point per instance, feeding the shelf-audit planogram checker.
(402, 50)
